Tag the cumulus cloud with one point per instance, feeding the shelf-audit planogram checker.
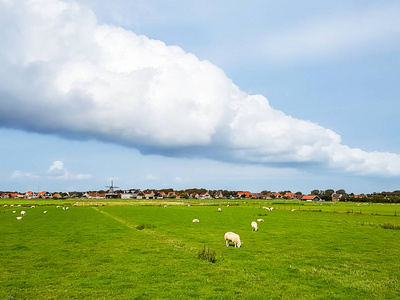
(55, 171)
(65, 74)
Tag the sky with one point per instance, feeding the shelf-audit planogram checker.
(266, 95)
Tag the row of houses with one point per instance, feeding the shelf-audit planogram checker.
(30, 195)
(137, 194)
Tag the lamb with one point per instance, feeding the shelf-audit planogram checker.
(195, 221)
(232, 237)
(260, 220)
(23, 213)
(254, 226)
(19, 218)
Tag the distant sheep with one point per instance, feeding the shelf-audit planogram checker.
(63, 208)
(14, 211)
(219, 209)
(58, 206)
(188, 205)
(45, 212)
(33, 206)
(19, 205)
(227, 205)
(232, 237)
(23, 213)
(165, 206)
(19, 218)
(260, 220)
(254, 226)
(195, 221)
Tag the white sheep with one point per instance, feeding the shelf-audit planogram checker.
(165, 206)
(232, 237)
(67, 208)
(227, 205)
(195, 221)
(19, 218)
(63, 208)
(33, 206)
(19, 205)
(23, 213)
(58, 206)
(254, 226)
(45, 212)
(219, 209)
(188, 205)
(14, 211)
(260, 220)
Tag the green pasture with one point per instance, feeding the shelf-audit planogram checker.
(137, 251)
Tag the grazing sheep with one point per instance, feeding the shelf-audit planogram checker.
(232, 237)
(63, 208)
(5, 205)
(188, 205)
(219, 209)
(19, 218)
(12, 205)
(45, 212)
(165, 206)
(227, 205)
(254, 226)
(14, 211)
(58, 206)
(195, 221)
(260, 220)
(19, 205)
(293, 209)
(23, 213)
(33, 206)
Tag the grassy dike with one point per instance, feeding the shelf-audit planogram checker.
(133, 251)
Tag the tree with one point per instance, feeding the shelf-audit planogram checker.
(329, 192)
(314, 192)
(341, 191)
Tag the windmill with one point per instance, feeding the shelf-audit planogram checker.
(111, 188)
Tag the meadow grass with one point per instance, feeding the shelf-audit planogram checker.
(152, 252)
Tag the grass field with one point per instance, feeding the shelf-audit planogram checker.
(132, 251)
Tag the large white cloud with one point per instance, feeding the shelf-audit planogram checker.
(65, 74)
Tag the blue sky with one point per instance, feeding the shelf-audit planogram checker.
(154, 94)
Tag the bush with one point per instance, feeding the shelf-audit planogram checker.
(390, 226)
(207, 255)
(143, 226)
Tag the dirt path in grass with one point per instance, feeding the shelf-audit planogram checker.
(160, 237)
